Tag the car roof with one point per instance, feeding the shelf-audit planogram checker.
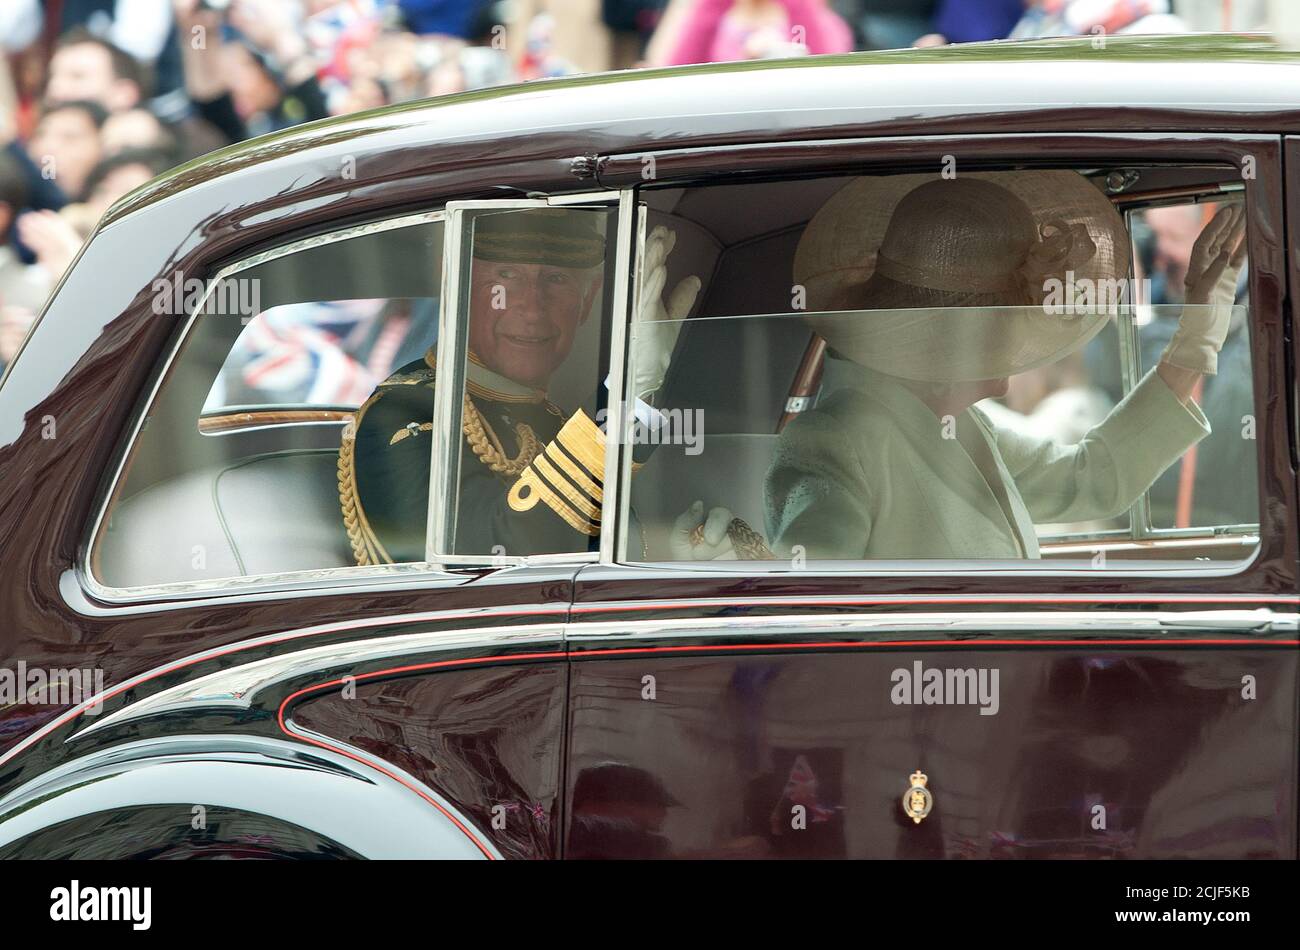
(1252, 85)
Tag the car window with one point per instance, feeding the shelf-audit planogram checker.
(1200, 490)
(235, 470)
(323, 354)
(913, 367)
(528, 392)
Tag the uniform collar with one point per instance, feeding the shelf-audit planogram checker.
(489, 384)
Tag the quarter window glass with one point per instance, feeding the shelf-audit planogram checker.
(522, 439)
(909, 367)
(237, 469)
(319, 354)
(1216, 483)
(536, 302)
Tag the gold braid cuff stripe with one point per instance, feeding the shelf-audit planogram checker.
(568, 476)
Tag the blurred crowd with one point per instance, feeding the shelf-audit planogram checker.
(101, 95)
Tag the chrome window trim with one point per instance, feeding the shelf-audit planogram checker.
(238, 688)
(621, 483)
(352, 581)
(613, 507)
(1244, 533)
(992, 622)
(1059, 568)
(285, 581)
(371, 627)
(1207, 533)
(442, 480)
(444, 467)
(613, 197)
(1022, 602)
(266, 426)
(328, 237)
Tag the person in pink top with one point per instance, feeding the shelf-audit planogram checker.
(716, 31)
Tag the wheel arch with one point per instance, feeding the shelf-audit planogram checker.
(318, 803)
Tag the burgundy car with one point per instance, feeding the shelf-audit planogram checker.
(212, 646)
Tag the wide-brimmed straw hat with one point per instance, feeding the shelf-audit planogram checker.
(953, 278)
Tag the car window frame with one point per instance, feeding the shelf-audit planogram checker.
(453, 343)
(1140, 526)
(803, 160)
(270, 582)
(451, 214)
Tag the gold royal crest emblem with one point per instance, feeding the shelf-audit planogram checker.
(917, 800)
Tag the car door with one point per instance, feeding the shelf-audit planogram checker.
(483, 728)
(1131, 692)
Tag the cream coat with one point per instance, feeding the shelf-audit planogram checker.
(872, 473)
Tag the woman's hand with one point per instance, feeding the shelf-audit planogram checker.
(1211, 285)
(697, 538)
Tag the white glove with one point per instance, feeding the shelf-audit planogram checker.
(658, 324)
(713, 542)
(1211, 284)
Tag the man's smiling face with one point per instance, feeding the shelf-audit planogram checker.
(523, 317)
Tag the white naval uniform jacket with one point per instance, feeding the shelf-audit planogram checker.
(869, 474)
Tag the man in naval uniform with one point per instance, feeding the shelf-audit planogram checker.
(531, 475)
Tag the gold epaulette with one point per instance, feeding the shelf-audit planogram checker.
(415, 377)
(410, 378)
(366, 548)
(568, 476)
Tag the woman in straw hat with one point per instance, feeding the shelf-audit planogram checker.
(947, 281)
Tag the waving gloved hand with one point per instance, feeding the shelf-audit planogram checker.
(1211, 284)
(658, 322)
(697, 538)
